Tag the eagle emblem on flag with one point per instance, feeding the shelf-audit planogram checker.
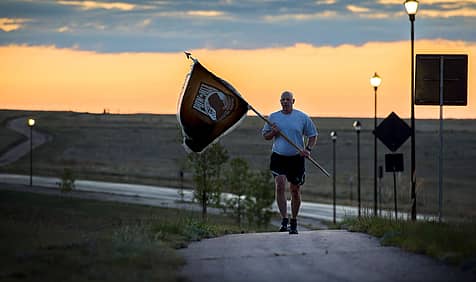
(213, 103)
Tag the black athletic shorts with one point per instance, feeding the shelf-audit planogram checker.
(291, 166)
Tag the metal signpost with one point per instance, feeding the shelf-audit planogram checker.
(334, 139)
(394, 163)
(357, 126)
(393, 132)
(441, 80)
(31, 123)
(380, 176)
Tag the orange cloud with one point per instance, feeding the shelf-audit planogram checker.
(204, 13)
(326, 81)
(7, 24)
(300, 17)
(325, 2)
(89, 5)
(429, 2)
(357, 9)
(463, 12)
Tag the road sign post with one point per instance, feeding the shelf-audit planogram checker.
(393, 132)
(441, 79)
(394, 163)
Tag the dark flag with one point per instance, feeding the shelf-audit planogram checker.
(209, 108)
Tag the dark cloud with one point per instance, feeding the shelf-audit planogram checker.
(183, 25)
(33, 9)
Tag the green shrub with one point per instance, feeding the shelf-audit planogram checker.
(207, 178)
(67, 180)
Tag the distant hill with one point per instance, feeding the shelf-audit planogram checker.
(146, 148)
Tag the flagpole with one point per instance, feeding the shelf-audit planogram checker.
(189, 56)
(290, 141)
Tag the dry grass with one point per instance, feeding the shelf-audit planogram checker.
(450, 242)
(62, 238)
(146, 149)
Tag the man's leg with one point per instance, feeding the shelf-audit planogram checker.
(280, 182)
(295, 200)
(295, 205)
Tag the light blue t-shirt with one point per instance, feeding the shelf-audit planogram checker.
(294, 125)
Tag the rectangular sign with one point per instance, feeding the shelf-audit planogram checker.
(455, 79)
(393, 162)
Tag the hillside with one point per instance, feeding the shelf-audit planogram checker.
(146, 148)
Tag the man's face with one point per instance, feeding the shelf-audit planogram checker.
(287, 102)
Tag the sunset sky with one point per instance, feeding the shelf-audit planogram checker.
(127, 56)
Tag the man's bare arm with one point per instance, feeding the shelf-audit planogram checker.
(272, 133)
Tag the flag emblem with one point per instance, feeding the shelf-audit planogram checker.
(213, 103)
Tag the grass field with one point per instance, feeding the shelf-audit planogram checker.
(453, 243)
(147, 149)
(61, 238)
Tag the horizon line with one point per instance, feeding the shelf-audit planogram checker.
(248, 115)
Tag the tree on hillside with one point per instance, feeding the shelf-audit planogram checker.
(253, 193)
(259, 198)
(237, 181)
(207, 168)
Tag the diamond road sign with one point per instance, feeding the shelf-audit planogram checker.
(393, 132)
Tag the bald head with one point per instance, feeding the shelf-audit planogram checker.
(287, 101)
(287, 94)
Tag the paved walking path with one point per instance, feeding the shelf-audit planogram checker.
(20, 125)
(324, 255)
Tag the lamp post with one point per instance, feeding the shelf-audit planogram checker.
(334, 139)
(411, 6)
(357, 127)
(375, 81)
(31, 123)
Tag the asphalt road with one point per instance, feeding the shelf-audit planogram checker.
(324, 255)
(166, 196)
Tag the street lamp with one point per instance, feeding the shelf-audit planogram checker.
(375, 81)
(411, 6)
(357, 127)
(334, 139)
(31, 123)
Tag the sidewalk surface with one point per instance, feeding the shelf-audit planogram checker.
(324, 255)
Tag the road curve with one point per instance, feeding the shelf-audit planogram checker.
(20, 125)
